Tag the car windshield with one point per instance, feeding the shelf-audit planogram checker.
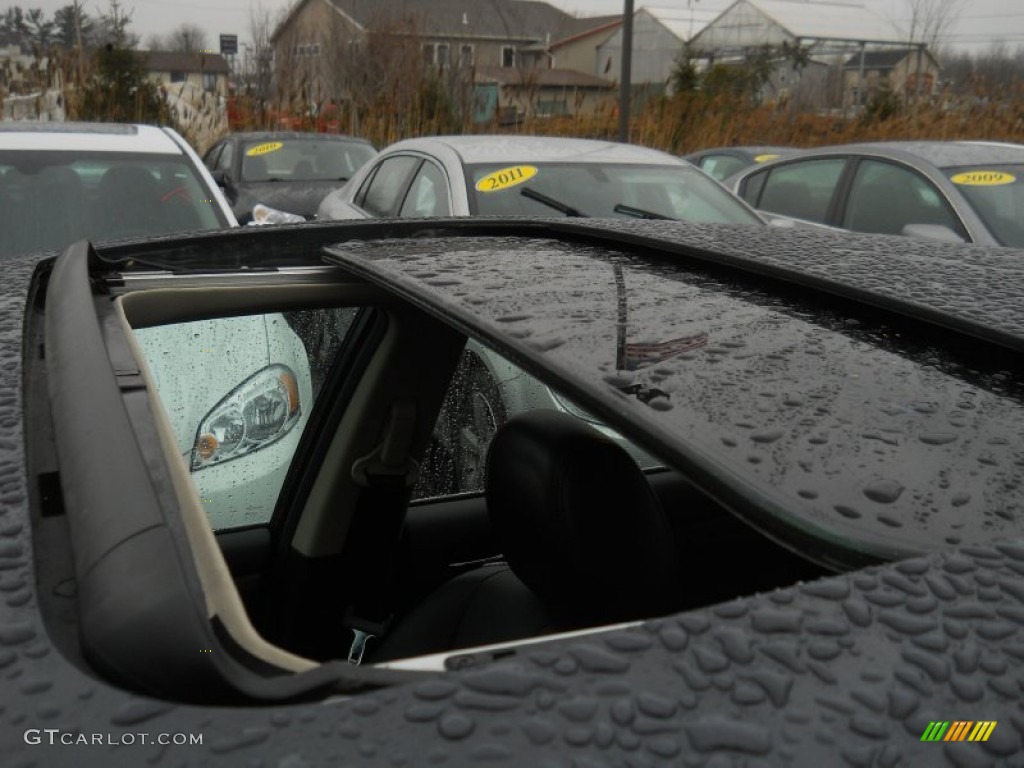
(592, 189)
(302, 159)
(996, 193)
(49, 199)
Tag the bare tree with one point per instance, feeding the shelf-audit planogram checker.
(187, 38)
(929, 21)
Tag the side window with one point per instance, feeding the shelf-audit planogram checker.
(751, 188)
(428, 194)
(802, 190)
(885, 198)
(226, 158)
(484, 393)
(238, 392)
(210, 159)
(383, 190)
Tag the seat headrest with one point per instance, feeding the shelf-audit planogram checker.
(577, 519)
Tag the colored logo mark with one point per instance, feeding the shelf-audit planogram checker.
(959, 730)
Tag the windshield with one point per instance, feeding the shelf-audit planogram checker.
(303, 159)
(591, 189)
(996, 193)
(49, 199)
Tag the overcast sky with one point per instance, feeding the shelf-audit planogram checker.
(980, 22)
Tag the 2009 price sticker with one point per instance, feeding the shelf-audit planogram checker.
(263, 149)
(983, 178)
(505, 178)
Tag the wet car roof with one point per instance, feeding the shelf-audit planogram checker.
(811, 418)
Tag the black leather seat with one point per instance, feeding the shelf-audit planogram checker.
(585, 539)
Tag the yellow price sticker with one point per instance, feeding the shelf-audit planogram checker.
(505, 178)
(983, 178)
(263, 149)
(765, 158)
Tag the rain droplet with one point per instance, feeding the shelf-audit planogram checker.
(848, 512)
(938, 438)
(884, 491)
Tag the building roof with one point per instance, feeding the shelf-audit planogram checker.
(685, 23)
(881, 59)
(599, 25)
(540, 77)
(177, 61)
(804, 20)
(529, 20)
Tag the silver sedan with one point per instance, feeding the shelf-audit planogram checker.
(532, 176)
(958, 190)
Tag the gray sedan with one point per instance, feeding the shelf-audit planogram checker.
(960, 191)
(532, 176)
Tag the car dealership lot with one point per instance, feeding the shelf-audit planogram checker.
(856, 665)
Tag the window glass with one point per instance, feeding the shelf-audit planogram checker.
(802, 190)
(226, 157)
(238, 392)
(98, 195)
(428, 195)
(722, 167)
(383, 190)
(608, 190)
(485, 392)
(996, 193)
(885, 198)
(210, 159)
(309, 159)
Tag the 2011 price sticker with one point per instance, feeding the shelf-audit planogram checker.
(505, 178)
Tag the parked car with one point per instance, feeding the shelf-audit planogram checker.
(287, 171)
(722, 162)
(960, 191)
(531, 175)
(63, 182)
(826, 568)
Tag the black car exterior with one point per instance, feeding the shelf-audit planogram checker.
(103, 579)
(287, 171)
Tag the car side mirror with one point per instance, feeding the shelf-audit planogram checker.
(935, 232)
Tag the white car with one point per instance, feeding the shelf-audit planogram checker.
(234, 415)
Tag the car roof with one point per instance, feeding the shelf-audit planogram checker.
(293, 136)
(87, 137)
(941, 154)
(512, 149)
(561, 299)
(858, 665)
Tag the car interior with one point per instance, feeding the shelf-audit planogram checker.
(568, 531)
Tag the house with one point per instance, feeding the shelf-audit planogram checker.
(508, 94)
(660, 38)
(579, 51)
(906, 72)
(205, 71)
(342, 50)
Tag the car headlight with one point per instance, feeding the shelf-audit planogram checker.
(259, 411)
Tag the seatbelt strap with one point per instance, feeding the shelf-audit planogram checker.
(386, 476)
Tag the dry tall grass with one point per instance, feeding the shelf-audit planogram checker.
(683, 124)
